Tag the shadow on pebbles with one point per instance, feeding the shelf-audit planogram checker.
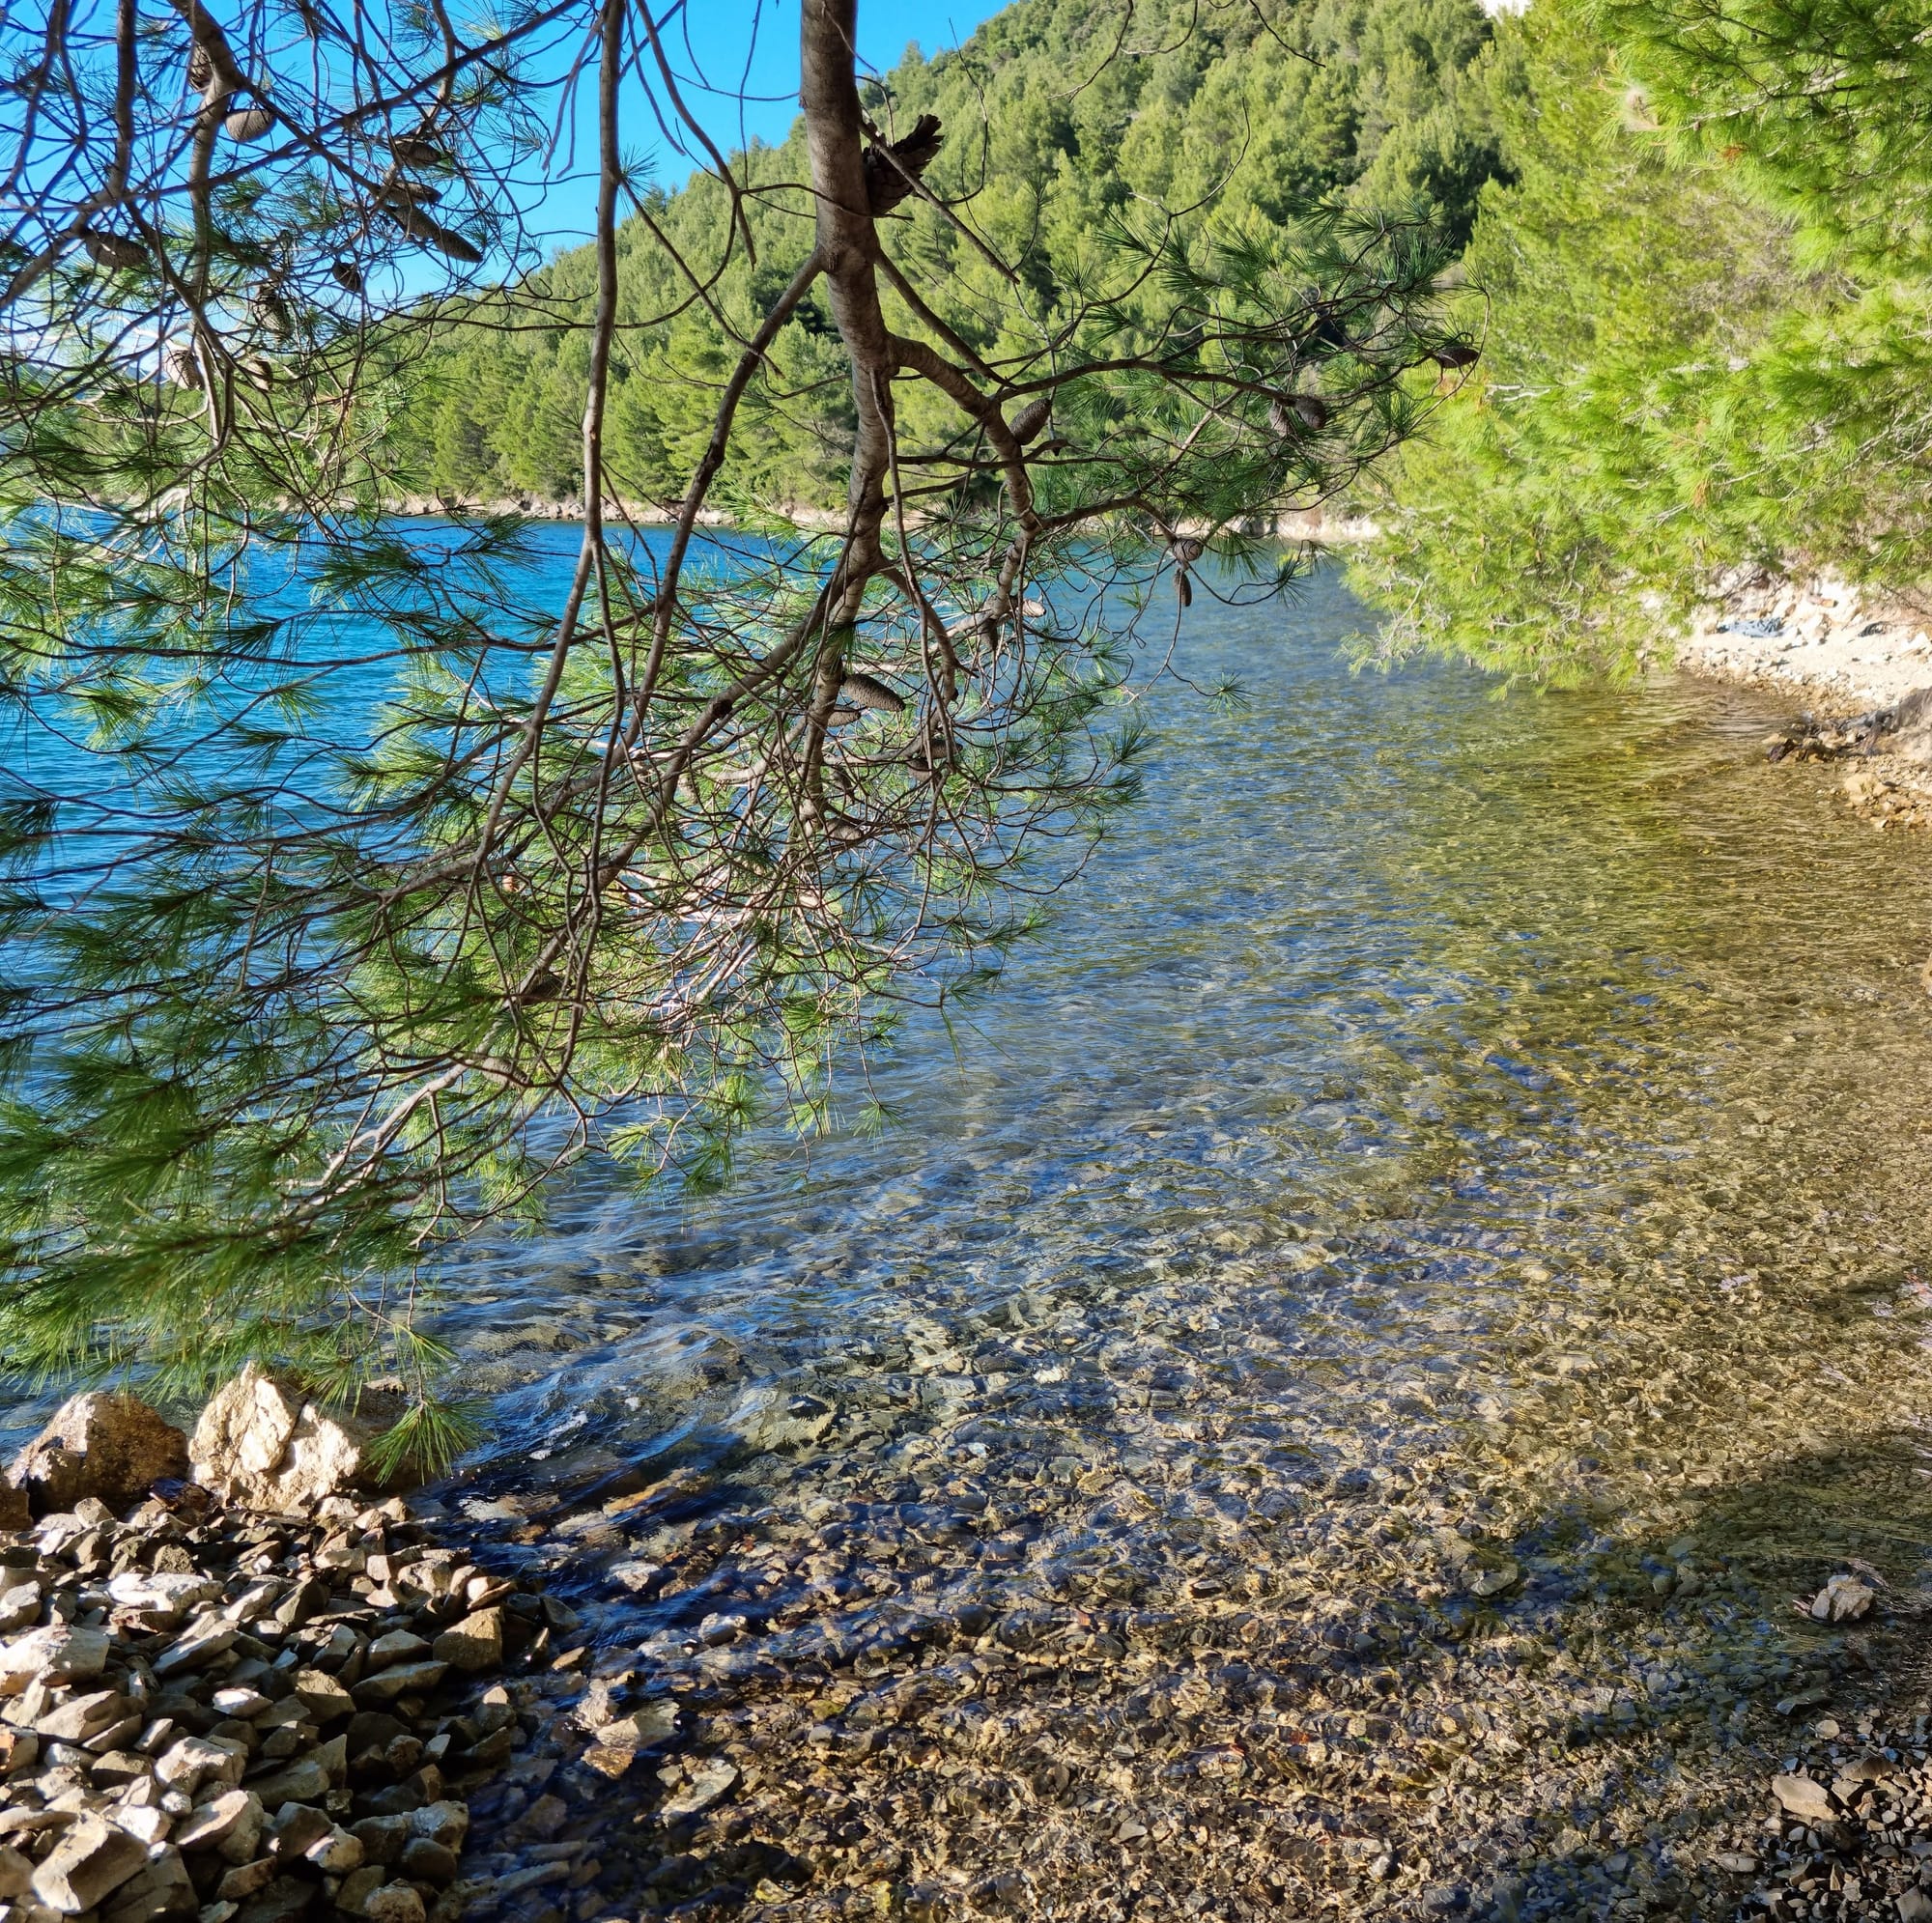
(1085, 1616)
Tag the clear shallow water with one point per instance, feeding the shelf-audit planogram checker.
(1325, 1395)
(1347, 1356)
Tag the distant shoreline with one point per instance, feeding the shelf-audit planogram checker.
(1312, 525)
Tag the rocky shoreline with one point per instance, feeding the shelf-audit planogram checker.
(1862, 663)
(316, 1703)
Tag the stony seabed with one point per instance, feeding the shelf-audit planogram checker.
(1347, 1401)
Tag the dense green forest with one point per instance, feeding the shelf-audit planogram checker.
(1060, 119)
(1704, 315)
(1704, 306)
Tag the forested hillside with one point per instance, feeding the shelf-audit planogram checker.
(1060, 119)
(1706, 322)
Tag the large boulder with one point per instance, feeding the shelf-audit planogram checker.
(105, 1444)
(260, 1441)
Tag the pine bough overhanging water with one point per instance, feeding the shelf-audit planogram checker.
(354, 884)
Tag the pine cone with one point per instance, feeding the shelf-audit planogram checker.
(113, 250)
(864, 691)
(886, 184)
(1289, 413)
(1032, 417)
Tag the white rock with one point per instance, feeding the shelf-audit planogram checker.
(60, 1652)
(196, 1760)
(214, 1821)
(1842, 1599)
(260, 1441)
(147, 1826)
(163, 1592)
(240, 1704)
(1801, 1798)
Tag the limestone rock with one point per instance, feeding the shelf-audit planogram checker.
(81, 1717)
(194, 1760)
(1914, 737)
(216, 1820)
(16, 1873)
(89, 1862)
(162, 1888)
(1842, 1599)
(262, 1442)
(445, 1821)
(709, 1782)
(1801, 1798)
(393, 1902)
(473, 1645)
(246, 1879)
(106, 1445)
(60, 1652)
(284, 1899)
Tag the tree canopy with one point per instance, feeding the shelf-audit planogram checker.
(1706, 319)
(359, 876)
(1066, 124)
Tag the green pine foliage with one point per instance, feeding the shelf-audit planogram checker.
(1062, 122)
(1691, 362)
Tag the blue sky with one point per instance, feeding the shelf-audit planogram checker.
(720, 46)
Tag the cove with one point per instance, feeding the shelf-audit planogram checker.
(1327, 1390)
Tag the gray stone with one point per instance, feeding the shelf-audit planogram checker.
(473, 1645)
(428, 1862)
(1913, 734)
(195, 1760)
(167, 1594)
(382, 1837)
(16, 1873)
(1807, 1800)
(246, 1879)
(408, 1678)
(445, 1823)
(82, 1716)
(709, 1783)
(20, 1607)
(213, 1823)
(208, 1639)
(336, 1852)
(162, 1889)
(398, 1646)
(393, 1902)
(296, 1827)
(323, 1696)
(284, 1899)
(102, 1445)
(91, 1861)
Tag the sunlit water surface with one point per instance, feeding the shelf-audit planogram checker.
(1345, 1356)
(1377, 1316)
